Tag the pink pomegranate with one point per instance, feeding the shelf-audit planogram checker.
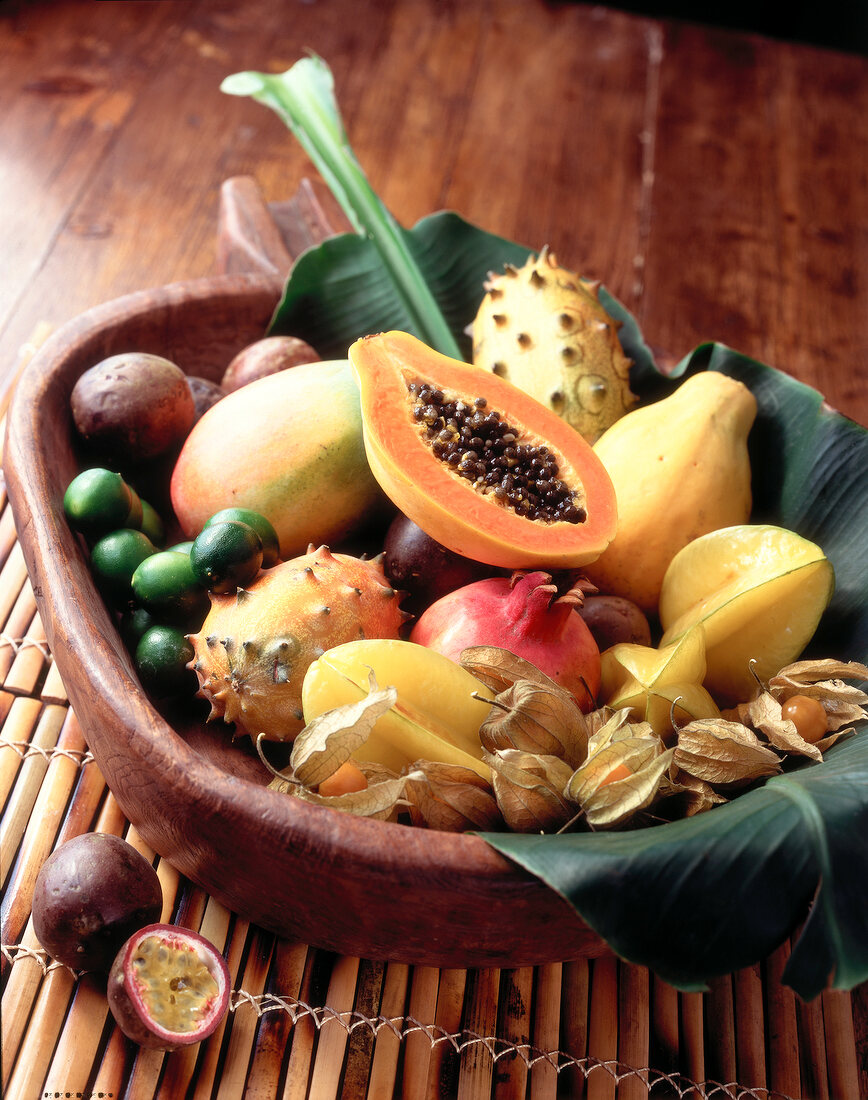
(524, 615)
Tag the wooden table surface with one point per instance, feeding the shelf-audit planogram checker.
(715, 181)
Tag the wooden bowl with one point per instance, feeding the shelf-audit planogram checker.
(359, 887)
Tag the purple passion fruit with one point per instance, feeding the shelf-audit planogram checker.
(168, 987)
(90, 895)
(424, 568)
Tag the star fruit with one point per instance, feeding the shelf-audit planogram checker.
(660, 686)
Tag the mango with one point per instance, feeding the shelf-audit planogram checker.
(436, 716)
(758, 591)
(680, 468)
(288, 446)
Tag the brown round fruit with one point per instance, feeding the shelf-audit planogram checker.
(90, 895)
(614, 619)
(423, 568)
(168, 987)
(266, 356)
(133, 407)
(205, 394)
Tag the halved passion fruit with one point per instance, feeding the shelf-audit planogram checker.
(168, 987)
(479, 465)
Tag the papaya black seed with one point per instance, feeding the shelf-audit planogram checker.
(481, 446)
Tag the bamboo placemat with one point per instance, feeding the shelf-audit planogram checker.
(305, 1023)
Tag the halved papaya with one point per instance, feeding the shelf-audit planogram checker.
(479, 465)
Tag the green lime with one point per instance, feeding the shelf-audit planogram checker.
(134, 516)
(97, 501)
(165, 585)
(261, 525)
(225, 555)
(182, 547)
(115, 558)
(161, 660)
(152, 525)
(134, 622)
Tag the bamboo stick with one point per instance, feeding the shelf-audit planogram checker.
(54, 689)
(29, 723)
(47, 809)
(513, 1027)
(275, 1027)
(477, 1062)
(812, 1047)
(239, 1050)
(782, 1028)
(720, 1062)
(749, 1027)
(634, 1030)
(13, 577)
(387, 1046)
(444, 1065)
(325, 1076)
(19, 996)
(79, 1041)
(603, 1029)
(360, 1044)
(8, 534)
(575, 993)
(114, 1068)
(664, 1038)
(20, 722)
(111, 817)
(692, 1040)
(842, 1064)
(546, 1031)
(303, 1038)
(30, 660)
(44, 1027)
(216, 926)
(425, 981)
(15, 629)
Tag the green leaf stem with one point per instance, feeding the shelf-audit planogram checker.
(303, 97)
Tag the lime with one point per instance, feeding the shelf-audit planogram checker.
(165, 585)
(182, 547)
(97, 501)
(116, 556)
(134, 622)
(226, 554)
(134, 516)
(261, 525)
(152, 524)
(161, 658)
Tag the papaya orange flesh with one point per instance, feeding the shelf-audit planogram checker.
(467, 518)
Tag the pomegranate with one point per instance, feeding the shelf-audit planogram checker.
(525, 615)
(168, 987)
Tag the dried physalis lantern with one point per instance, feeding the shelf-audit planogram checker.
(624, 773)
(808, 706)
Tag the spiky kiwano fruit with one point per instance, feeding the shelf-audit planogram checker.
(256, 644)
(544, 329)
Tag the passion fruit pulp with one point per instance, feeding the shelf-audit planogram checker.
(168, 987)
(90, 895)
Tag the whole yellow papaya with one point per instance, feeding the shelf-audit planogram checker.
(680, 468)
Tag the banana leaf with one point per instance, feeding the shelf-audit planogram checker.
(701, 897)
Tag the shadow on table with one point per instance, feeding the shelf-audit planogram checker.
(835, 24)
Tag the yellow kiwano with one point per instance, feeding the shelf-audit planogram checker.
(759, 592)
(436, 716)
